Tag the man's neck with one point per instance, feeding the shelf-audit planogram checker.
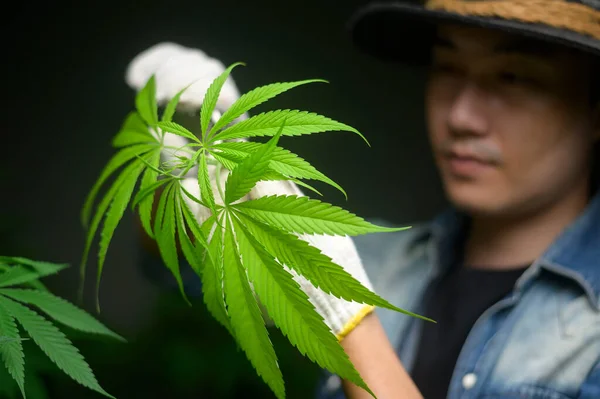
(509, 243)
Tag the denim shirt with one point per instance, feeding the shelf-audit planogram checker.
(542, 341)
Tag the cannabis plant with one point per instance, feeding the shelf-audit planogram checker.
(240, 251)
(20, 289)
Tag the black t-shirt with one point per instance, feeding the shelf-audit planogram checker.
(455, 302)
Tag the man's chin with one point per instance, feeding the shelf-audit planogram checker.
(477, 199)
(492, 210)
(482, 207)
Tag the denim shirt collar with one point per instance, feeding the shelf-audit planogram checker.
(575, 254)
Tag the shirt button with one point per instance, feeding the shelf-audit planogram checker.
(333, 383)
(469, 381)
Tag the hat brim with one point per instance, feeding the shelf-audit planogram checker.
(403, 32)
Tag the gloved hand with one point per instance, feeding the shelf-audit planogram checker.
(175, 67)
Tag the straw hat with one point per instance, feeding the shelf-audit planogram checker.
(402, 30)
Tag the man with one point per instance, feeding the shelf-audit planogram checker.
(511, 273)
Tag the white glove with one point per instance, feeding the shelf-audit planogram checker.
(341, 316)
(175, 67)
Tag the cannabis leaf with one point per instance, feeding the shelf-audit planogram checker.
(177, 129)
(26, 272)
(133, 131)
(303, 215)
(291, 310)
(18, 292)
(211, 97)
(284, 162)
(60, 310)
(11, 349)
(205, 186)
(296, 123)
(144, 197)
(172, 106)
(212, 278)
(255, 97)
(246, 318)
(245, 176)
(310, 262)
(243, 249)
(145, 102)
(164, 228)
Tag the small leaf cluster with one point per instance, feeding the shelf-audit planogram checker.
(20, 289)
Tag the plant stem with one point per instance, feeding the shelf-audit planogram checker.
(170, 147)
(189, 166)
(218, 178)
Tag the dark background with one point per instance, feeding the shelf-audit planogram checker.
(64, 98)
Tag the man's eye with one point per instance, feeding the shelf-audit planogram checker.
(445, 69)
(514, 78)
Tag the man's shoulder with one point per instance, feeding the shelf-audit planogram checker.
(392, 249)
(399, 265)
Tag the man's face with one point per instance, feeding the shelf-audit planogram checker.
(510, 121)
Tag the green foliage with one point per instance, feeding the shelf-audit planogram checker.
(255, 97)
(206, 192)
(211, 97)
(296, 124)
(284, 162)
(11, 348)
(18, 277)
(249, 172)
(241, 249)
(291, 310)
(246, 318)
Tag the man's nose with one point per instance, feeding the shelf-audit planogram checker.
(467, 115)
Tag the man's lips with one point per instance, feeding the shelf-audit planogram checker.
(463, 155)
(467, 165)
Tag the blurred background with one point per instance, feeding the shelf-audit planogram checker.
(65, 97)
